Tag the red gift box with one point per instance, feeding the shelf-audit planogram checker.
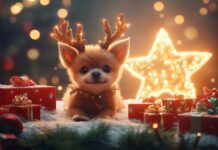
(3, 110)
(39, 94)
(163, 120)
(136, 110)
(25, 112)
(198, 122)
(176, 106)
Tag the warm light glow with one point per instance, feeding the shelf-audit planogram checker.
(158, 6)
(165, 70)
(179, 42)
(191, 33)
(44, 2)
(34, 34)
(212, 80)
(33, 54)
(60, 88)
(29, 3)
(155, 126)
(16, 8)
(206, 1)
(199, 134)
(43, 81)
(203, 11)
(55, 80)
(62, 13)
(66, 3)
(179, 19)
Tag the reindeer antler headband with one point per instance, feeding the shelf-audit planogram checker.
(63, 33)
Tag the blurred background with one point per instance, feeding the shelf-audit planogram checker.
(26, 48)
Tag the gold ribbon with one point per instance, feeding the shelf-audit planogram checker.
(22, 100)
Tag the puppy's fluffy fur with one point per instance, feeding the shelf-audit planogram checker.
(80, 68)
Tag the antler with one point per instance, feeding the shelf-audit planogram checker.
(63, 33)
(121, 27)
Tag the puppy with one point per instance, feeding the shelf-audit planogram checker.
(94, 70)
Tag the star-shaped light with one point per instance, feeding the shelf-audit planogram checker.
(164, 70)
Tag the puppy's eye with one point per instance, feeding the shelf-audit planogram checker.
(106, 68)
(84, 70)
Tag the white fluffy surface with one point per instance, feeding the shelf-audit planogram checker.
(118, 125)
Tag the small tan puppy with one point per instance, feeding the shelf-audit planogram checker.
(94, 70)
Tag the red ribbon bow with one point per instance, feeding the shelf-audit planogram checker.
(210, 93)
(21, 81)
(155, 108)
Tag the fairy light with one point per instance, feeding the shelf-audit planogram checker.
(203, 11)
(33, 54)
(44, 2)
(155, 126)
(34, 34)
(158, 6)
(179, 19)
(155, 70)
(16, 8)
(62, 13)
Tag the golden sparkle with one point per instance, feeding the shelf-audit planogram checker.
(158, 6)
(62, 13)
(33, 54)
(179, 19)
(165, 70)
(203, 11)
(34, 34)
(16, 8)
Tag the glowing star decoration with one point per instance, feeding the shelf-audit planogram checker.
(164, 70)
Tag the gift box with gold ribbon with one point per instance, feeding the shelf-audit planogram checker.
(23, 107)
(156, 114)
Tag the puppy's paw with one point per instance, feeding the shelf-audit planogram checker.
(80, 118)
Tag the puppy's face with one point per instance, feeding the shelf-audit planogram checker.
(94, 70)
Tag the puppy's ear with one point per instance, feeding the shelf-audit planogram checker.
(120, 49)
(67, 54)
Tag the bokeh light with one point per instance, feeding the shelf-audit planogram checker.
(55, 80)
(60, 88)
(44, 2)
(13, 19)
(29, 3)
(155, 126)
(179, 42)
(34, 34)
(66, 3)
(62, 13)
(33, 54)
(179, 19)
(16, 8)
(212, 80)
(159, 6)
(206, 1)
(191, 33)
(43, 81)
(203, 11)
(8, 63)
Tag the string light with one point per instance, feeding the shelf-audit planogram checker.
(33, 54)
(34, 34)
(203, 11)
(165, 70)
(16, 8)
(62, 13)
(44, 2)
(159, 6)
(179, 19)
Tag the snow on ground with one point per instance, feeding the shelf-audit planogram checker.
(118, 125)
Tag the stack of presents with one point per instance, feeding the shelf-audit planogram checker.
(194, 115)
(25, 98)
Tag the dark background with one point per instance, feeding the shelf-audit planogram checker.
(145, 22)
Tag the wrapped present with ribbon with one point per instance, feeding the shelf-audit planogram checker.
(22, 85)
(198, 122)
(178, 104)
(136, 110)
(156, 114)
(22, 106)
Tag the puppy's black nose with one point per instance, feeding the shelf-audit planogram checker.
(96, 75)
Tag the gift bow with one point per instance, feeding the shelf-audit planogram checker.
(20, 100)
(211, 105)
(21, 81)
(154, 108)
